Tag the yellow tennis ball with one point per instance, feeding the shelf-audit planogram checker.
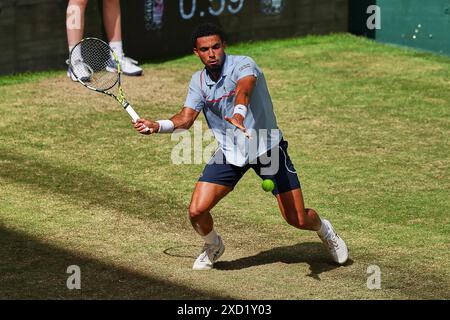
(268, 185)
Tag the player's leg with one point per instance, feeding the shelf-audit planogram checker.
(205, 197)
(290, 201)
(293, 210)
(113, 28)
(217, 180)
(75, 29)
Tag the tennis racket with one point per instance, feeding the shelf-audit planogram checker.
(96, 66)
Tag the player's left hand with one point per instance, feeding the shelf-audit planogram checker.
(238, 121)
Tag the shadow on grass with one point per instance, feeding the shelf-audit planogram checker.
(31, 269)
(311, 253)
(85, 187)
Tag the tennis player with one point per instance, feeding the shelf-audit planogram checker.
(233, 95)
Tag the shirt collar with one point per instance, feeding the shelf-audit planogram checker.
(225, 72)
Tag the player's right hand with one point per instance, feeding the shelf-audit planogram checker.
(141, 126)
(238, 121)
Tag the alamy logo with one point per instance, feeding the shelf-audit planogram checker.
(374, 21)
(374, 279)
(73, 20)
(74, 280)
(239, 148)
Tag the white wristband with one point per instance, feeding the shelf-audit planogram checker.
(165, 126)
(240, 109)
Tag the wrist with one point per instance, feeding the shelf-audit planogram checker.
(165, 126)
(241, 110)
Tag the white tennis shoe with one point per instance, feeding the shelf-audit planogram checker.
(82, 71)
(128, 66)
(210, 254)
(334, 244)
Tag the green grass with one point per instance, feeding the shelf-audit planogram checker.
(27, 77)
(368, 129)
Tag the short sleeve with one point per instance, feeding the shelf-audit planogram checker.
(246, 67)
(195, 99)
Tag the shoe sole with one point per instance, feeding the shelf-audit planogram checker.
(85, 79)
(215, 259)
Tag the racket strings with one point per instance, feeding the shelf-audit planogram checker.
(92, 63)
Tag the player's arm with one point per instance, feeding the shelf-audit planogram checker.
(182, 120)
(185, 118)
(244, 89)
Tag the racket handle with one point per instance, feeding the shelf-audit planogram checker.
(134, 115)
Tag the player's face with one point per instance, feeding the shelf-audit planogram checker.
(211, 52)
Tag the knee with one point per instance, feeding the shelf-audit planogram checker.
(195, 212)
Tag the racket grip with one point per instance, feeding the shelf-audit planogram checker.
(134, 115)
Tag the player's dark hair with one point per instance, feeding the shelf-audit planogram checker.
(207, 29)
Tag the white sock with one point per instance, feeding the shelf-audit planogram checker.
(211, 238)
(323, 231)
(117, 47)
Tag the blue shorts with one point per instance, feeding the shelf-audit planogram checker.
(280, 169)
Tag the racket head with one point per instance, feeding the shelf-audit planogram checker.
(94, 64)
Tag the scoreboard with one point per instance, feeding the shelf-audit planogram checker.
(162, 28)
(33, 32)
